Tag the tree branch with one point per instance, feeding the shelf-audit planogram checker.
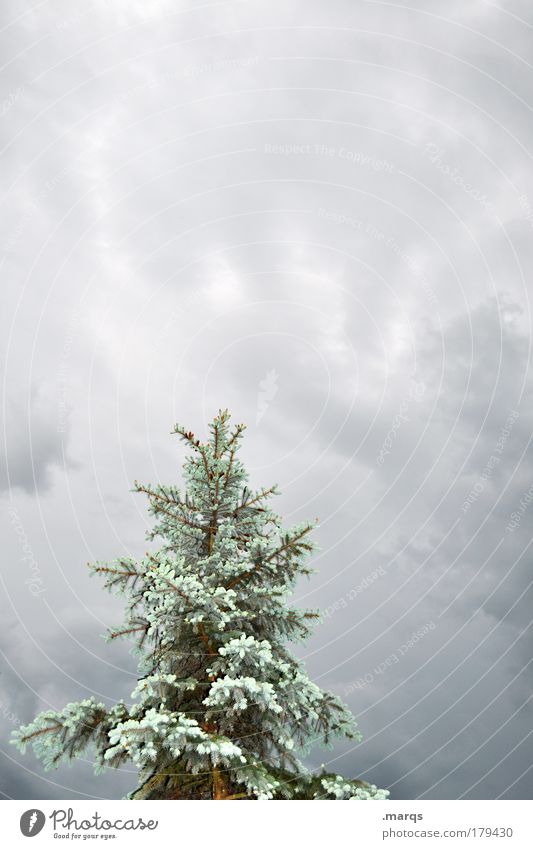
(41, 731)
(264, 493)
(113, 635)
(270, 557)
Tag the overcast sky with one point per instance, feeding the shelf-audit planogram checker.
(319, 215)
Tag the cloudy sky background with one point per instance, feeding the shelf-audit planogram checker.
(320, 216)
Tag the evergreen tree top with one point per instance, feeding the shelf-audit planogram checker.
(221, 708)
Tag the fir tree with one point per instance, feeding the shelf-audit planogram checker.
(221, 708)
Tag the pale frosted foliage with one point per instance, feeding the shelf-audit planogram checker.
(221, 705)
(340, 788)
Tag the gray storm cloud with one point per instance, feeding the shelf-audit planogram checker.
(319, 216)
